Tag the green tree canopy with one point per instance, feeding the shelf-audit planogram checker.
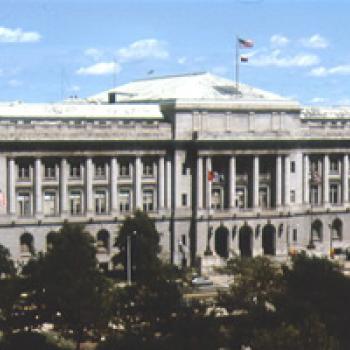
(72, 289)
(145, 247)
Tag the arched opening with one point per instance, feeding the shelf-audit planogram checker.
(26, 244)
(337, 230)
(269, 240)
(246, 241)
(50, 238)
(102, 241)
(316, 231)
(221, 241)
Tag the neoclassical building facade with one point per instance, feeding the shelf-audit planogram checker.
(222, 171)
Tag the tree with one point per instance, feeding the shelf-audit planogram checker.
(316, 286)
(145, 247)
(72, 289)
(257, 281)
(9, 290)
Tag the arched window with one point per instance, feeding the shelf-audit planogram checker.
(102, 241)
(337, 230)
(51, 236)
(26, 244)
(317, 231)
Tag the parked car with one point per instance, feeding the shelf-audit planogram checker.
(201, 281)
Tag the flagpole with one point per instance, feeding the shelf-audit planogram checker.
(237, 65)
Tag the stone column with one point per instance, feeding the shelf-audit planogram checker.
(278, 181)
(38, 188)
(326, 179)
(12, 187)
(256, 182)
(88, 184)
(286, 181)
(138, 189)
(232, 182)
(63, 187)
(114, 185)
(345, 179)
(208, 169)
(199, 182)
(161, 182)
(168, 183)
(306, 179)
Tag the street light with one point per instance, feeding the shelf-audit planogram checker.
(128, 256)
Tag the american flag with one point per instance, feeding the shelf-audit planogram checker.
(245, 43)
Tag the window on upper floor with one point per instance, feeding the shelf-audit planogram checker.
(100, 197)
(23, 172)
(24, 203)
(124, 168)
(334, 194)
(148, 200)
(184, 199)
(315, 195)
(148, 167)
(292, 166)
(334, 166)
(50, 203)
(49, 171)
(124, 199)
(100, 171)
(75, 170)
(76, 202)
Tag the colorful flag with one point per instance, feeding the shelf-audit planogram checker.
(244, 59)
(245, 43)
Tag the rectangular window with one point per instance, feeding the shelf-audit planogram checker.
(295, 235)
(292, 166)
(100, 202)
(124, 168)
(184, 199)
(292, 196)
(100, 171)
(264, 200)
(217, 199)
(24, 207)
(334, 166)
(23, 172)
(334, 194)
(148, 167)
(50, 208)
(75, 201)
(50, 171)
(75, 170)
(124, 200)
(148, 200)
(315, 195)
(241, 198)
(183, 169)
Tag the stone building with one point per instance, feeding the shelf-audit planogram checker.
(222, 171)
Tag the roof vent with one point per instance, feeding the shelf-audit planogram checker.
(112, 97)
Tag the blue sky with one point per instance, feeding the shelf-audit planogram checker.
(51, 49)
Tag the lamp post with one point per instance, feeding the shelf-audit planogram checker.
(128, 256)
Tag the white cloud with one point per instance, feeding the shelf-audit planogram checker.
(315, 41)
(74, 88)
(93, 53)
(336, 70)
(14, 83)
(182, 60)
(279, 40)
(143, 49)
(100, 68)
(276, 59)
(8, 35)
(344, 101)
